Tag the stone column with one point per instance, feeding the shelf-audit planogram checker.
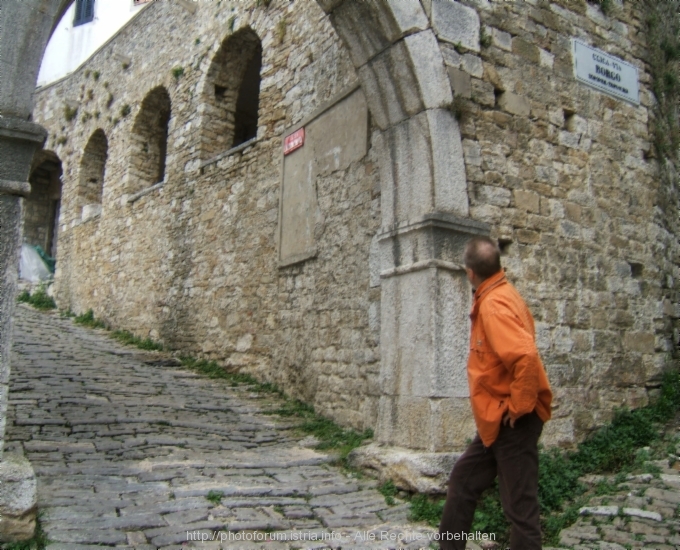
(424, 338)
(18, 142)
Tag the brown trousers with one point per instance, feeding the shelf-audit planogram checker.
(514, 458)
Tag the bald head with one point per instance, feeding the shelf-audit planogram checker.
(482, 256)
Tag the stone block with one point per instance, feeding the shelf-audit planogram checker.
(514, 104)
(460, 82)
(473, 65)
(412, 471)
(641, 342)
(391, 86)
(18, 498)
(408, 15)
(527, 200)
(500, 39)
(525, 49)
(456, 23)
(546, 59)
(450, 185)
(428, 64)
(498, 196)
(483, 92)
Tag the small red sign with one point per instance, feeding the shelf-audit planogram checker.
(294, 141)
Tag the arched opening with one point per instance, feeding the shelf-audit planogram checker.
(92, 170)
(149, 141)
(41, 209)
(232, 94)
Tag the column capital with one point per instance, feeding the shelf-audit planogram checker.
(435, 240)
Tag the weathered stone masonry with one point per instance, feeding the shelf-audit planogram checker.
(372, 330)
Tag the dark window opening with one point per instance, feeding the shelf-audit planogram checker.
(41, 209)
(92, 169)
(231, 98)
(84, 12)
(248, 102)
(150, 141)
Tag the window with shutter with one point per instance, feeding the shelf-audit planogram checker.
(84, 12)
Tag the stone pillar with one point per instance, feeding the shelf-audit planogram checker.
(18, 142)
(425, 334)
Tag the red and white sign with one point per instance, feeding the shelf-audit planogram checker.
(294, 141)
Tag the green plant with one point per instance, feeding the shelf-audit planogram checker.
(424, 508)
(125, 110)
(197, 41)
(265, 3)
(177, 72)
(70, 113)
(458, 107)
(231, 22)
(61, 140)
(39, 299)
(126, 337)
(96, 75)
(215, 497)
(281, 28)
(86, 116)
(389, 491)
(663, 41)
(90, 95)
(109, 101)
(485, 39)
(459, 47)
(88, 319)
(125, 66)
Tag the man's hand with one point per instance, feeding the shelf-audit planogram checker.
(507, 419)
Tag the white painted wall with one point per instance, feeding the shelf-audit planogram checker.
(70, 46)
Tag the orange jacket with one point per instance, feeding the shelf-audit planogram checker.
(505, 372)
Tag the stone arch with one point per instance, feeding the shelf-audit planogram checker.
(92, 171)
(41, 210)
(230, 98)
(149, 141)
(424, 206)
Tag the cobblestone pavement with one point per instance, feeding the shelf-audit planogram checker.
(126, 452)
(641, 512)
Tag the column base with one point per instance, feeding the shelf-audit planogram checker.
(18, 499)
(413, 471)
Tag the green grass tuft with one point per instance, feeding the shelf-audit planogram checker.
(39, 299)
(215, 497)
(88, 319)
(126, 337)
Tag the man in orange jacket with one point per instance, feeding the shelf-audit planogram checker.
(510, 397)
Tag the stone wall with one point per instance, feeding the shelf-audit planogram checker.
(563, 174)
(566, 177)
(193, 263)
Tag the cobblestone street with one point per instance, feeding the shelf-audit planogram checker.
(126, 452)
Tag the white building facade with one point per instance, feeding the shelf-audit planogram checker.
(85, 27)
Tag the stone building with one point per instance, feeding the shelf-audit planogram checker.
(333, 268)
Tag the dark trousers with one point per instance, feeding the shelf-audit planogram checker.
(513, 457)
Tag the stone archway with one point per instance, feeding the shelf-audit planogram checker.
(424, 296)
(424, 193)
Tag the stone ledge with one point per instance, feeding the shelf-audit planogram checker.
(413, 471)
(17, 498)
(16, 188)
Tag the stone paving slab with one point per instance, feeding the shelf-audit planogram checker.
(126, 452)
